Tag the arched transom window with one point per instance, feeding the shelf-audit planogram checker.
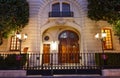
(68, 35)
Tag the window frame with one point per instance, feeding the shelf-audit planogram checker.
(65, 6)
(14, 44)
(56, 7)
(107, 41)
(60, 9)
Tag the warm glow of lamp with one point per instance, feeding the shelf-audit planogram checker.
(97, 35)
(21, 37)
(54, 45)
(103, 35)
(18, 35)
(25, 36)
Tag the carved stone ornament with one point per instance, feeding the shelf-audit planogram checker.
(60, 21)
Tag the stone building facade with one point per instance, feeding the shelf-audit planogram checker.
(63, 25)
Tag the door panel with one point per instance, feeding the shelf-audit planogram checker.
(68, 53)
(68, 48)
(46, 53)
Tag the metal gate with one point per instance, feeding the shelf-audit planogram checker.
(87, 64)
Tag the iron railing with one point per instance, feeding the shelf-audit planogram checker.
(48, 61)
(61, 14)
(62, 61)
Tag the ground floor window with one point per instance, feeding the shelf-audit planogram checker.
(14, 43)
(108, 39)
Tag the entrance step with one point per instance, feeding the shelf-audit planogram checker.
(64, 72)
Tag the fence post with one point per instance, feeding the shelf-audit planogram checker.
(28, 61)
(51, 63)
(42, 61)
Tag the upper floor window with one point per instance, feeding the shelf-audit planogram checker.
(56, 7)
(65, 7)
(108, 39)
(61, 10)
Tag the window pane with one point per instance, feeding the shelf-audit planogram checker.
(14, 44)
(65, 7)
(56, 7)
(68, 35)
(63, 35)
(108, 40)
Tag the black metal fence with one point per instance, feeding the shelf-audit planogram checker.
(59, 61)
(62, 61)
(12, 61)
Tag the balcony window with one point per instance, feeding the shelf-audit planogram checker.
(56, 7)
(61, 10)
(65, 7)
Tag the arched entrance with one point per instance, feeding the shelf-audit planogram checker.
(68, 47)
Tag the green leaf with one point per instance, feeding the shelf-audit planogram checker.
(107, 10)
(14, 14)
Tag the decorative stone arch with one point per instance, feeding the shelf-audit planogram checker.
(52, 22)
(74, 25)
(54, 31)
(56, 39)
(47, 3)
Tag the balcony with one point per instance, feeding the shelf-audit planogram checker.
(61, 14)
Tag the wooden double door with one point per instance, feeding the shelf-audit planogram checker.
(68, 51)
(68, 48)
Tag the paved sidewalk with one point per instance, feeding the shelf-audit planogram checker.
(71, 76)
(66, 76)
